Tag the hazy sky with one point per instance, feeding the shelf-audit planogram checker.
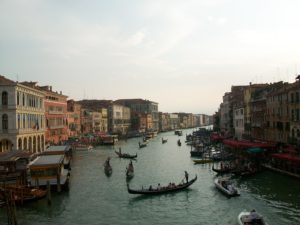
(182, 54)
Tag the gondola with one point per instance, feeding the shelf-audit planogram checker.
(125, 155)
(142, 145)
(108, 170)
(164, 140)
(107, 167)
(222, 171)
(162, 190)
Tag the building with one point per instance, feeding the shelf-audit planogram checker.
(277, 115)
(294, 107)
(225, 113)
(73, 118)
(56, 115)
(119, 119)
(142, 106)
(22, 116)
(238, 121)
(104, 120)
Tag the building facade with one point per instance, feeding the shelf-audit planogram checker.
(22, 117)
(142, 106)
(56, 116)
(119, 119)
(73, 118)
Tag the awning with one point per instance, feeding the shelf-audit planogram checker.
(242, 144)
(287, 157)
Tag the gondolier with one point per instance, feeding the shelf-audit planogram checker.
(186, 176)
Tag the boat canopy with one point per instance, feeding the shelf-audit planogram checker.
(286, 157)
(255, 150)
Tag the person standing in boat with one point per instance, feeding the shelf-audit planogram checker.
(186, 176)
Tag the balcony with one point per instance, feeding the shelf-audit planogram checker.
(55, 112)
(56, 126)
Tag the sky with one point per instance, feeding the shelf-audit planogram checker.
(183, 55)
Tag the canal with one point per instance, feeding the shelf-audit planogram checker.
(96, 199)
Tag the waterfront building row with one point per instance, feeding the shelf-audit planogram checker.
(33, 117)
(269, 112)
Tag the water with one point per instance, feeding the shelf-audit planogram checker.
(96, 199)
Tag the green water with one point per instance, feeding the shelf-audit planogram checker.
(96, 199)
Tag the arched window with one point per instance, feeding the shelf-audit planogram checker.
(19, 122)
(4, 98)
(5, 122)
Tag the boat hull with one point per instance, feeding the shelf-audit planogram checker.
(225, 191)
(162, 191)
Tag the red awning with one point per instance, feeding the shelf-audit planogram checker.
(216, 137)
(286, 157)
(247, 144)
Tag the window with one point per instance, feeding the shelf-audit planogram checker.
(19, 121)
(5, 122)
(18, 98)
(4, 98)
(292, 97)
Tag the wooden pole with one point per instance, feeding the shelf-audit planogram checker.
(48, 193)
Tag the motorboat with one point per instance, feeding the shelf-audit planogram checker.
(226, 187)
(250, 218)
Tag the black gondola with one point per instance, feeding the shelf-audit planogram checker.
(142, 145)
(162, 190)
(164, 140)
(223, 171)
(125, 155)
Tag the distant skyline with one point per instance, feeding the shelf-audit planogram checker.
(182, 54)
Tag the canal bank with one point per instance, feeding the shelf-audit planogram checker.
(95, 198)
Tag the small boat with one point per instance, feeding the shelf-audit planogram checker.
(129, 171)
(222, 170)
(143, 145)
(164, 140)
(107, 167)
(179, 142)
(251, 218)
(202, 161)
(226, 187)
(162, 190)
(126, 155)
(23, 194)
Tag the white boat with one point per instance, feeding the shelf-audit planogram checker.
(226, 187)
(251, 218)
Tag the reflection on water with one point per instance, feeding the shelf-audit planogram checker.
(96, 199)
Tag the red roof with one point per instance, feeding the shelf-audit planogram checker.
(247, 144)
(287, 157)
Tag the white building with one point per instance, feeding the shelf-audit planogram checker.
(119, 119)
(22, 113)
